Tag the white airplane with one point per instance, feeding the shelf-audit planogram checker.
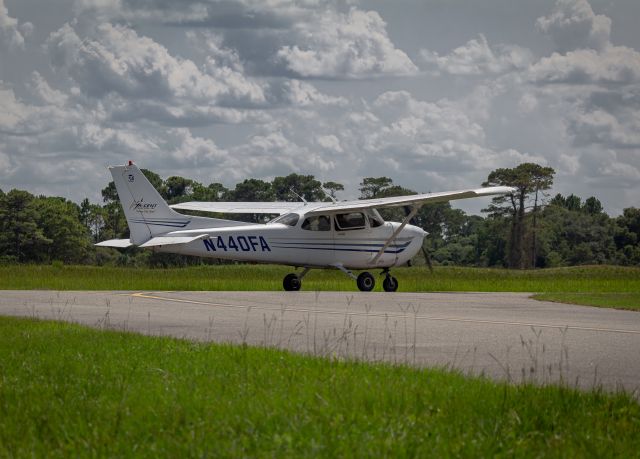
(343, 235)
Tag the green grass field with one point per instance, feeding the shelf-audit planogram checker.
(71, 391)
(614, 286)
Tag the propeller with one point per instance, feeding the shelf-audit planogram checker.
(425, 252)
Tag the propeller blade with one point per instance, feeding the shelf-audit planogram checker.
(427, 258)
(425, 252)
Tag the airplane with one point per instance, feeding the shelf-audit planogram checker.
(345, 235)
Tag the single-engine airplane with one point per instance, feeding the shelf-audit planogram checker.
(346, 235)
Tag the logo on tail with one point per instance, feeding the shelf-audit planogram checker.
(141, 206)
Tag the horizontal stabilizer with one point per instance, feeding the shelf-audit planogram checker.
(118, 243)
(172, 240)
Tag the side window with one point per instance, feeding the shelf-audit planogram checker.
(289, 219)
(317, 223)
(375, 219)
(350, 221)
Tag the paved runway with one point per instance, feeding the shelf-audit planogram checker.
(502, 335)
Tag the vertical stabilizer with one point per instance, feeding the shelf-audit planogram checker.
(147, 214)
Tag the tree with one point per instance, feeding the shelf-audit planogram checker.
(373, 187)
(177, 188)
(333, 188)
(59, 220)
(627, 236)
(304, 185)
(92, 216)
(592, 206)
(252, 190)
(211, 192)
(571, 236)
(530, 180)
(20, 237)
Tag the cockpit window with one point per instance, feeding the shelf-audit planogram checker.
(350, 221)
(375, 219)
(288, 219)
(317, 223)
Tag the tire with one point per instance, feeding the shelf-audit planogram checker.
(366, 282)
(390, 284)
(291, 283)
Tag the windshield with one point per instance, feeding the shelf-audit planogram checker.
(287, 219)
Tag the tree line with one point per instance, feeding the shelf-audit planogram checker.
(529, 229)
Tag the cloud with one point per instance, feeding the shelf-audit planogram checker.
(573, 25)
(12, 34)
(118, 60)
(617, 65)
(298, 93)
(352, 45)
(476, 57)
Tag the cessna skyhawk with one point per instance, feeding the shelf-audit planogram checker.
(346, 235)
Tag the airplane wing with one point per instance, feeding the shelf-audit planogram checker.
(412, 200)
(240, 207)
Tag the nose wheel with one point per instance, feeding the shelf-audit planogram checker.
(390, 283)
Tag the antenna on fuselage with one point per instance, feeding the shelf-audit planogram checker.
(299, 197)
(328, 195)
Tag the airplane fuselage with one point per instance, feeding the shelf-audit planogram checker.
(294, 246)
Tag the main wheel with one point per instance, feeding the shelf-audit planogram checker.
(366, 282)
(390, 284)
(291, 282)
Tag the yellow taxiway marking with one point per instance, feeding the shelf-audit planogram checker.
(379, 314)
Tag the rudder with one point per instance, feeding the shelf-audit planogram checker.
(147, 214)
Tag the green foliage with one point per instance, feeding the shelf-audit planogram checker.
(530, 180)
(60, 223)
(252, 190)
(70, 391)
(519, 232)
(333, 188)
(21, 239)
(304, 185)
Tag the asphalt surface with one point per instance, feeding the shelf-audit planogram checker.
(506, 336)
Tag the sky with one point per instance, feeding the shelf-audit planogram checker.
(434, 94)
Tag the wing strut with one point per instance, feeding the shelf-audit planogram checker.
(407, 219)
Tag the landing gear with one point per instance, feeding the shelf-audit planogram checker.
(293, 282)
(366, 282)
(390, 283)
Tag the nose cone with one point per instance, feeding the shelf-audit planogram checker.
(416, 231)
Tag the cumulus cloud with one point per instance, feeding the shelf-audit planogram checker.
(596, 82)
(118, 60)
(351, 45)
(614, 65)
(573, 25)
(12, 34)
(476, 57)
(298, 93)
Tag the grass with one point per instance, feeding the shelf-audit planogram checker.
(67, 390)
(616, 300)
(589, 279)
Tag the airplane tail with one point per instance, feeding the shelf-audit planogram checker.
(147, 214)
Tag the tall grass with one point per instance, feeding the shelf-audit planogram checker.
(591, 279)
(67, 390)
